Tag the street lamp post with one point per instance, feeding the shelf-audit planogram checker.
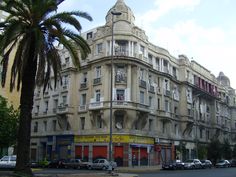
(111, 86)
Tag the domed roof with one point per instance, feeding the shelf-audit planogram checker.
(223, 79)
(126, 13)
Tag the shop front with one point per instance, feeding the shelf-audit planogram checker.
(125, 147)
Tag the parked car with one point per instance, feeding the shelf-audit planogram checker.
(57, 164)
(8, 161)
(103, 164)
(72, 163)
(233, 163)
(223, 164)
(173, 164)
(206, 164)
(192, 164)
(85, 164)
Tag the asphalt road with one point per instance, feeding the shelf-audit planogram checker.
(215, 172)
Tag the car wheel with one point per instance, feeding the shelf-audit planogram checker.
(104, 168)
(89, 167)
(78, 167)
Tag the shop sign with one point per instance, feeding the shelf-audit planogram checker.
(115, 139)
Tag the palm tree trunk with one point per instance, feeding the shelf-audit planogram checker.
(26, 105)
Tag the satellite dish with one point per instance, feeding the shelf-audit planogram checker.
(118, 125)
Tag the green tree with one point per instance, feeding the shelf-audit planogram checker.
(226, 150)
(33, 27)
(234, 152)
(8, 124)
(214, 150)
(202, 151)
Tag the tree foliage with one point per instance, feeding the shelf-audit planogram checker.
(234, 152)
(214, 150)
(8, 124)
(226, 150)
(31, 31)
(202, 151)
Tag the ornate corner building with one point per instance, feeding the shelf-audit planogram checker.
(160, 103)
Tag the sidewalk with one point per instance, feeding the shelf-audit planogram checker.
(120, 171)
(137, 169)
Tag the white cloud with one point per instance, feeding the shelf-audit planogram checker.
(163, 7)
(210, 47)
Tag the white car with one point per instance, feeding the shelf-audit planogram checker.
(103, 164)
(8, 161)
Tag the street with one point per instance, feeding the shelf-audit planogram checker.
(215, 172)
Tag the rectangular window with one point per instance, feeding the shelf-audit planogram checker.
(150, 101)
(163, 127)
(142, 74)
(35, 127)
(64, 100)
(55, 103)
(167, 85)
(175, 72)
(84, 78)
(98, 72)
(207, 134)
(45, 125)
(201, 133)
(158, 104)
(99, 48)
(142, 100)
(83, 99)
(150, 124)
(176, 129)
(90, 35)
(167, 106)
(99, 121)
(82, 122)
(67, 60)
(37, 109)
(189, 112)
(142, 49)
(120, 94)
(150, 58)
(97, 95)
(46, 107)
(65, 80)
(54, 125)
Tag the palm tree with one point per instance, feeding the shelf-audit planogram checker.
(32, 29)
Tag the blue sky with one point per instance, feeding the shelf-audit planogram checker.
(204, 30)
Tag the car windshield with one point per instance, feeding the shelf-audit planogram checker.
(13, 158)
(95, 161)
(5, 158)
(189, 161)
(221, 161)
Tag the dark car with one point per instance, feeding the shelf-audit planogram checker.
(223, 164)
(73, 163)
(233, 163)
(57, 164)
(173, 165)
(206, 164)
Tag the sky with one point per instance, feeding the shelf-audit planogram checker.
(203, 30)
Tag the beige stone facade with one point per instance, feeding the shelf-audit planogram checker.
(12, 97)
(160, 103)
